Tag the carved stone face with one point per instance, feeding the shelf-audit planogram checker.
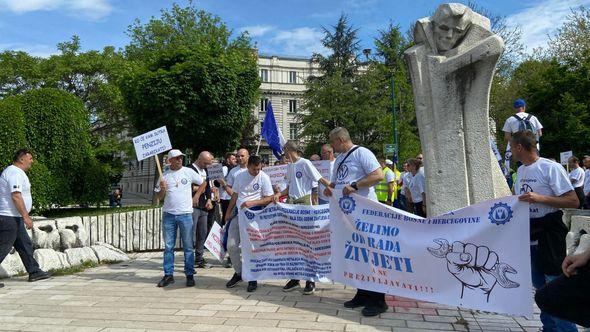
(448, 32)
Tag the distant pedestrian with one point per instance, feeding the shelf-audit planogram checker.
(576, 177)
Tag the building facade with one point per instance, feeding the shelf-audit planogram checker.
(283, 85)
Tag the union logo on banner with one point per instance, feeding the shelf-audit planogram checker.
(500, 214)
(249, 214)
(347, 204)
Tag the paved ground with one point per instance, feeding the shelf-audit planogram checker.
(124, 297)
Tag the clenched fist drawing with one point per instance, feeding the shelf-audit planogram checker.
(476, 267)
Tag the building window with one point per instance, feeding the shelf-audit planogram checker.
(264, 75)
(293, 106)
(293, 128)
(293, 77)
(263, 103)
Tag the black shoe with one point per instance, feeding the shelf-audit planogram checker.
(203, 265)
(167, 280)
(374, 310)
(252, 285)
(234, 281)
(309, 288)
(355, 302)
(292, 285)
(1, 285)
(190, 281)
(39, 276)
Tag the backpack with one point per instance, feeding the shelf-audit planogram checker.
(526, 124)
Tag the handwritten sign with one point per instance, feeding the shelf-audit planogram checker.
(215, 171)
(276, 173)
(151, 143)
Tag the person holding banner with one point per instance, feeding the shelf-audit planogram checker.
(301, 177)
(253, 190)
(546, 186)
(175, 186)
(356, 171)
(327, 154)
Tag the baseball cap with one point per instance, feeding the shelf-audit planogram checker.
(388, 162)
(519, 103)
(174, 153)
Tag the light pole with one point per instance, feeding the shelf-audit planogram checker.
(393, 111)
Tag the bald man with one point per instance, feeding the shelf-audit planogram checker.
(201, 206)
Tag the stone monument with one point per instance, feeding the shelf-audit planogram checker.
(451, 67)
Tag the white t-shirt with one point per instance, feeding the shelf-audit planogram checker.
(416, 186)
(222, 193)
(301, 176)
(359, 164)
(231, 176)
(321, 187)
(389, 176)
(512, 125)
(14, 179)
(577, 175)
(179, 195)
(406, 178)
(251, 188)
(543, 177)
(587, 182)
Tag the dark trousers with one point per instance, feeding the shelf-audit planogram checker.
(14, 234)
(419, 209)
(224, 205)
(580, 193)
(567, 298)
(373, 299)
(200, 231)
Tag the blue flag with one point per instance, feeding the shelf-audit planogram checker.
(272, 133)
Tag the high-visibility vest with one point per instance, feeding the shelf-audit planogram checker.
(382, 188)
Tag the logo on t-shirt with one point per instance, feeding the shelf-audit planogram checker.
(347, 204)
(184, 181)
(500, 214)
(342, 172)
(299, 175)
(525, 188)
(256, 186)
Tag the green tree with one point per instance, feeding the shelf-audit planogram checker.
(189, 75)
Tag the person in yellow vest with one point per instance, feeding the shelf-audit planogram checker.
(396, 187)
(385, 189)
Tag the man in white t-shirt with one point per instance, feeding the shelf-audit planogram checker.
(356, 170)
(301, 177)
(403, 181)
(15, 204)
(416, 187)
(176, 187)
(515, 123)
(224, 196)
(252, 189)
(327, 154)
(202, 206)
(586, 162)
(577, 178)
(544, 184)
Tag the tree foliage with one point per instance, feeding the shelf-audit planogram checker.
(189, 75)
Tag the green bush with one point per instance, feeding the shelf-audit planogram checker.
(12, 127)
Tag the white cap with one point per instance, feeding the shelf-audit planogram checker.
(388, 162)
(174, 153)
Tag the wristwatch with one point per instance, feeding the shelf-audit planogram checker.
(353, 184)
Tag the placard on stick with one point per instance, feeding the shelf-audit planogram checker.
(152, 143)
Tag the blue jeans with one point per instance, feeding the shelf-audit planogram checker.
(171, 223)
(550, 323)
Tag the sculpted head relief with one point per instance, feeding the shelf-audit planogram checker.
(451, 23)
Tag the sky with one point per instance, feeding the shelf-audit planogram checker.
(279, 27)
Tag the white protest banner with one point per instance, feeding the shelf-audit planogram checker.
(213, 242)
(276, 173)
(564, 156)
(151, 143)
(477, 257)
(215, 171)
(285, 241)
(323, 166)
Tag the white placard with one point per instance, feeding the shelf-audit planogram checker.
(323, 166)
(277, 173)
(215, 171)
(564, 156)
(477, 257)
(213, 242)
(151, 143)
